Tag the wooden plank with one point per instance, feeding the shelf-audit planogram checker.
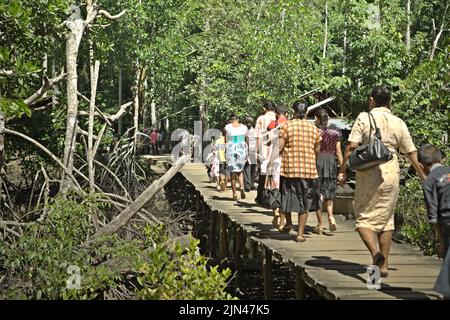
(267, 274)
(223, 242)
(240, 243)
(300, 284)
(334, 264)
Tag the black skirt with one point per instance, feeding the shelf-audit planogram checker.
(299, 195)
(327, 168)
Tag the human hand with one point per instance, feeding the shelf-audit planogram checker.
(342, 178)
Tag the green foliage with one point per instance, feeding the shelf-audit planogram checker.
(411, 215)
(42, 261)
(180, 275)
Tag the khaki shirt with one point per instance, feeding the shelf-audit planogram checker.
(394, 132)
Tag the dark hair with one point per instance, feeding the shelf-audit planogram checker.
(429, 154)
(281, 109)
(249, 121)
(269, 105)
(382, 95)
(233, 116)
(300, 108)
(323, 117)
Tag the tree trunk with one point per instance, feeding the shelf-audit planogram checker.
(152, 103)
(2, 144)
(408, 26)
(120, 124)
(76, 28)
(136, 108)
(325, 39)
(439, 34)
(344, 58)
(90, 152)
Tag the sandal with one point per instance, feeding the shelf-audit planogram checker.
(286, 229)
(332, 224)
(276, 222)
(242, 194)
(234, 196)
(300, 239)
(318, 229)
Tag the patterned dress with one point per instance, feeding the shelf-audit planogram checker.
(236, 150)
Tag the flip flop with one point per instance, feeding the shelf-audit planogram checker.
(275, 221)
(300, 239)
(242, 194)
(286, 229)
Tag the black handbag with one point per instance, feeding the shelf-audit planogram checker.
(271, 197)
(371, 154)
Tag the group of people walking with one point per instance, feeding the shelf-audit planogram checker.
(302, 163)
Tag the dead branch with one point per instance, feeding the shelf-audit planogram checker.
(48, 83)
(46, 195)
(85, 133)
(6, 73)
(109, 16)
(99, 139)
(48, 152)
(107, 117)
(114, 176)
(123, 218)
(128, 202)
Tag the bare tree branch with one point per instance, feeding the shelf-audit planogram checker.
(125, 216)
(48, 83)
(6, 73)
(107, 15)
(48, 152)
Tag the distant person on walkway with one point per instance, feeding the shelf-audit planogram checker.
(436, 190)
(220, 146)
(154, 141)
(329, 158)
(299, 146)
(377, 188)
(250, 165)
(262, 149)
(236, 153)
(274, 165)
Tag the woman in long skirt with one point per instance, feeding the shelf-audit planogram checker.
(329, 158)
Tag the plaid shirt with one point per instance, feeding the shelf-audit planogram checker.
(298, 159)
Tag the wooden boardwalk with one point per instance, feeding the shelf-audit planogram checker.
(334, 264)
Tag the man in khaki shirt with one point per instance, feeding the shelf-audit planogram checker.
(377, 188)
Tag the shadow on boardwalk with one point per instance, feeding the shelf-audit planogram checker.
(355, 270)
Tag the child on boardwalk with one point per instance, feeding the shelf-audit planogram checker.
(436, 189)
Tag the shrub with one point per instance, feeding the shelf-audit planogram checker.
(412, 217)
(40, 263)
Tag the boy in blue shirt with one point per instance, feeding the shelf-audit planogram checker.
(436, 190)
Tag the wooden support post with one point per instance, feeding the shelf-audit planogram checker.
(267, 273)
(223, 243)
(198, 203)
(240, 243)
(300, 285)
(212, 233)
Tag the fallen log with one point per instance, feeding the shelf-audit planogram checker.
(126, 214)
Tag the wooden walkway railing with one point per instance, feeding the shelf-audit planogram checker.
(334, 264)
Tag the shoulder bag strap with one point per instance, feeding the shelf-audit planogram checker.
(377, 130)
